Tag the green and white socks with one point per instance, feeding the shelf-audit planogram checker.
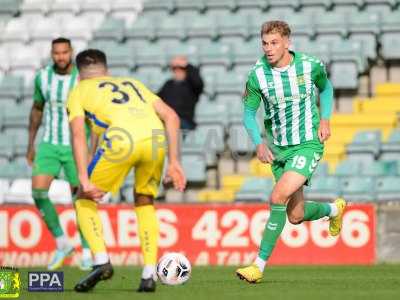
(276, 222)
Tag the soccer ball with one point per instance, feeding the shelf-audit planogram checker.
(173, 269)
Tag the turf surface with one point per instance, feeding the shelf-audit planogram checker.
(297, 282)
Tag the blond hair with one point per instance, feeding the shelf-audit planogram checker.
(276, 26)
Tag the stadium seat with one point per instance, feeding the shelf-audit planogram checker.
(348, 82)
(332, 23)
(351, 6)
(11, 87)
(95, 7)
(9, 7)
(378, 168)
(78, 28)
(219, 5)
(110, 29)
(35, 8)
(239, 142)
(17, 116)
(365, 145)
(143, 28)
(349, 51)
(65, 8)
(191, 6)
(358, 189)
(16, 30)
(153, 56)
(315, 6)
(19, 192)
(233, 25)
(14, 170)
(171, 28)
(46, 29)
(25, 58)
(379, 6)
(126, 10)
(285, 6)
(209, 111)
(323, 188)
(254, 189)
(194, 166)
(215, 54)
(388, 89)
(202, 27)
(220, 195)
(368, 45)
(6, 147)
(391, 149)
(388, 188)
(154, 5)
(247, 53)
(259, 169)
(364, 22)
(230, 83)
(348, 168)
(207, 136)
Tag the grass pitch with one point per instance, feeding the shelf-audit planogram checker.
(283, 282)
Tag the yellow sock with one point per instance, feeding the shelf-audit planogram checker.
(90, 225)
(148, 233)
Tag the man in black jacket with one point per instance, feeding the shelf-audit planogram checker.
(183, 90)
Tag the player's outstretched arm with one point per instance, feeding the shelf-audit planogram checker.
(80, 150)
(172, 125)
(35, 119)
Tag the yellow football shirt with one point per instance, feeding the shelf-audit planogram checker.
(116, 102)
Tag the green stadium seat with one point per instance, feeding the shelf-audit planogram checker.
(203, 27)
(378, 168)
(256, 5)
(368, 45)
(239, 142)
(9, 7)
(194, 166)
(365, 145)
(192, 6)
(11, 87)
(233, 25)
(331, 23)
(120, 56)
(391, 149)
(143, 29)
(174, 48)
(358, 189)
(230, 83)
(390, 46)
(171, 28)
(17, 116)
(255, 189)
(283, 5)
(391, 23)
(110, 29)
(322, 170)
(207, 136)
(152, 56)
(247, 53)
(210, 111)
(300, 25)
(379, 6)
(315, 6)
(220, 5)
(388, 188)
(347, 5)
(13, 170)
(348, 168)
(154, 5)
(364, 22)
(349, 51)
(323, 188)
(6, 146)
(348, 82)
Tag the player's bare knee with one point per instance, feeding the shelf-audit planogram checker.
(278, 198)
(141, 200)
(295, 219)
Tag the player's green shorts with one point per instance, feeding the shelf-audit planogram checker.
(302, 158)
(50, 158)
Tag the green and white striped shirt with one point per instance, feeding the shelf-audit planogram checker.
(52, 89)
(289, 97)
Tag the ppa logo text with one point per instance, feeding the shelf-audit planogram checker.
(46, 281)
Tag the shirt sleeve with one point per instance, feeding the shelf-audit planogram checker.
(252, 94)
(37, 92)
(320, 76)
(74, 104)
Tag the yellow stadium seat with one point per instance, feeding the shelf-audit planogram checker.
(222, 195)
(377, 105)
(233, 181)
(257, 168)
(388, 89)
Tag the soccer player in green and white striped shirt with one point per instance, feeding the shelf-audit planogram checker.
(51, 88)
(285, 82)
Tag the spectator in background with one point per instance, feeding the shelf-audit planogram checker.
(183, 90)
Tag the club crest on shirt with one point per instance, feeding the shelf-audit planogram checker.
(300, 80)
